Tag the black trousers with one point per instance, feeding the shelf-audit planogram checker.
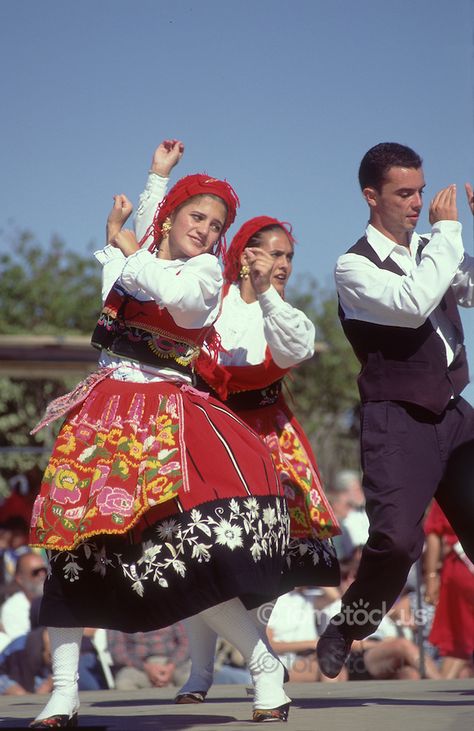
(409, 456)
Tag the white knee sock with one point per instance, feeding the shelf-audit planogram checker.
(233, 622)
(202, 646)
(65, 648)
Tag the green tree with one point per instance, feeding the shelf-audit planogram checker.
(324, 389)
(43, 291)
(22, 403)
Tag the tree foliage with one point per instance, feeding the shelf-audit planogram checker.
(324, 389)
(22, 403)
(43, 291)
(46, 291)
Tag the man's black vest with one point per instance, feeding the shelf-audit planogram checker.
(406, 364)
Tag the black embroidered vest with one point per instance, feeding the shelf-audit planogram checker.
(144, 332)
(406, 364)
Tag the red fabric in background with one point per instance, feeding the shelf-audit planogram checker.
(453, 625)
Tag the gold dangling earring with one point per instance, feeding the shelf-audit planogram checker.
(166, 227)
(244, 271)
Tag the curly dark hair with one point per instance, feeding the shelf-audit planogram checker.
(379, 159)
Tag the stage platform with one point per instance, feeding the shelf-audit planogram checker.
(353, 706)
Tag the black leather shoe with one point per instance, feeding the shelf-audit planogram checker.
(332, 651)
(191, 697)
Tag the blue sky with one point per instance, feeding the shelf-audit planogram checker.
(281, 98)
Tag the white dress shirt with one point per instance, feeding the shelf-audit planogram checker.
(375, 295)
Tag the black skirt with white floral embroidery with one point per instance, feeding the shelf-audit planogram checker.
(183, 564)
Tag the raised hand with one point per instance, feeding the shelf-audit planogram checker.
(443, 207)
(470, 196)
(261, 266)
(120, 212)
(166, 156)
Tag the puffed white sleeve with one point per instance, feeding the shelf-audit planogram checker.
(189, 290)
(289, 333)
(463, 282)
(112, 261)
(150, 198)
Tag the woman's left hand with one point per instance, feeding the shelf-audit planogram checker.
(125, 241)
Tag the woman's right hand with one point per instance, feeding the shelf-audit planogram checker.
(117, 217)
(261, 266)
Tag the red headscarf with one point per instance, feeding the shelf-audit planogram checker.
(231, 258)
(187, 187)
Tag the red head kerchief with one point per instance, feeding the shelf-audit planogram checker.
(187, 187)
(231, 258)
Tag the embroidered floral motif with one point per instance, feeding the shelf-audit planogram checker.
(310, 513)
(115, 501)
(316, 550)
(65, 488)
(259, 525)
(108, 467)
(228, 535)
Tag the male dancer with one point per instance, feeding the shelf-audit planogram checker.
(398, 295)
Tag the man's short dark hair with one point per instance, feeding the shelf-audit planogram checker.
(379, 159)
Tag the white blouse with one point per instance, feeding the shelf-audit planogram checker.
(148, 202)
(189, 289)
(246, 330)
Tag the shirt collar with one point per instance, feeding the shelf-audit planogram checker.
(383, 246)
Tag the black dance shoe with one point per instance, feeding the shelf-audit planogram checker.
(269, 715)
(195, 696)
(332, 651)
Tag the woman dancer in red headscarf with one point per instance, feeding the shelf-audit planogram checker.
(158, 502)
(262, 338)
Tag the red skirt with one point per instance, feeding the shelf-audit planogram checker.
(311, 558)
(157, 503)
(452, 631)
(131, 447)
(311, 515)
